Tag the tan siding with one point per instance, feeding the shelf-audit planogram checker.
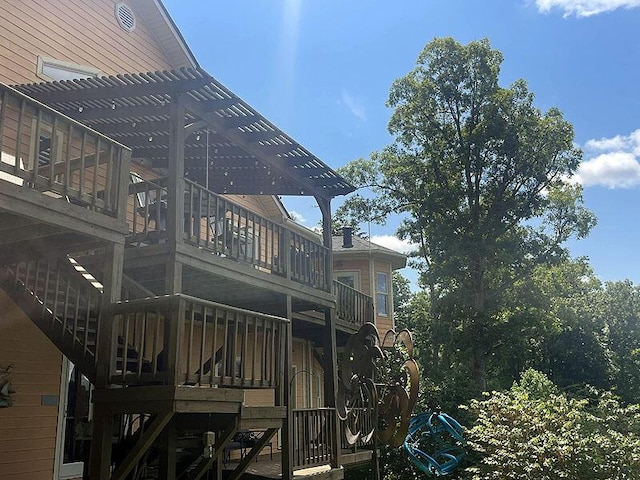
(84, 32)
(28, 429)
(360, 265)
(253, 203)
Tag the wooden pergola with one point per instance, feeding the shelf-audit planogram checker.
(227, 145)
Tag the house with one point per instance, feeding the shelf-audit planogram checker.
(156, 300)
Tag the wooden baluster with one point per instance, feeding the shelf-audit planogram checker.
(96, 164)
(53, 151)
(154, 349)
(108, 206)
(125, 345)
(225, 352)
(67, 159)
(234, 345)
(203, 341)
(214, 347)
(255, 350)
(192, 321)
(142, 343)
(19, 141)
(83, 154)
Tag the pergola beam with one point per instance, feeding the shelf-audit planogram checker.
(120, 91)
(124, 113)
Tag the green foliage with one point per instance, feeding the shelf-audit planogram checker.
(533, 431)
(478, 171)
(621, 306)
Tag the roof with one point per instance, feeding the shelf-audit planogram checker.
(364, 246)
(165, 32)
(243, 152)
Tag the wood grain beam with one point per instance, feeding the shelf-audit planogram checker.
(120, 91)
(141, 446)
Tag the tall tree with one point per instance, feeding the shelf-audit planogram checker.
(479, 172)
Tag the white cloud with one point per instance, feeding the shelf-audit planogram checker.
(394, 243)
(607, 144)
(613, 170)
(297, 217)
(354, 105)
(585, 8)
(611, 162)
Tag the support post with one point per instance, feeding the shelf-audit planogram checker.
(168, 450)
(284, 395)
(329, 334)
(175, 185)
(103, 422)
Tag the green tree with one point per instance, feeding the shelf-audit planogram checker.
(478, 171)
(621, 313)
(535, 431)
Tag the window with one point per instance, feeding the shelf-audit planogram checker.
(51, 69)
(382, 293)
(349, 278)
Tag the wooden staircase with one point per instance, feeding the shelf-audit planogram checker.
(62, 303)
(66, 304)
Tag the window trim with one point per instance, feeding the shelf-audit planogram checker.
(383, 292)
(345, 273)
(81, 70)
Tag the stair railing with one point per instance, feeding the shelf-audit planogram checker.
(62, 303)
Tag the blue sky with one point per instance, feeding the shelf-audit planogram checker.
(321, 71)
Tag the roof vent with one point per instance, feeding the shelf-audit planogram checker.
(126, 17)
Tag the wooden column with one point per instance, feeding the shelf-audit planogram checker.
(173, 274)
(100, 454)
(175, 185)
(168, 450)
(329, 334)
(283, 397)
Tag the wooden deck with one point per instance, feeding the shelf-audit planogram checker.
(265, 468)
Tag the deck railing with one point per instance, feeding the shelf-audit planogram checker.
(313, 434)
(352, 306)
(44, 150)
(178, 339)
(225, 228)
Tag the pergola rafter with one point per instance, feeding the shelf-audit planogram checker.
(245, 152)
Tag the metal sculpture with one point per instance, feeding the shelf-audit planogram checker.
(357, 393)
(435, 443)
(381, 377)
(399, 391)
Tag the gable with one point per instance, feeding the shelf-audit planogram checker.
(81, 32)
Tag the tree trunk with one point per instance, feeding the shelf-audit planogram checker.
(479, 367)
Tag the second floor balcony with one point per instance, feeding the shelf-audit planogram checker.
(224, 228)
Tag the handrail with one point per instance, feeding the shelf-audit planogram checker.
(44, 150)
(353, 306)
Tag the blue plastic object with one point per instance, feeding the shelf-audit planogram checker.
(435, 431)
